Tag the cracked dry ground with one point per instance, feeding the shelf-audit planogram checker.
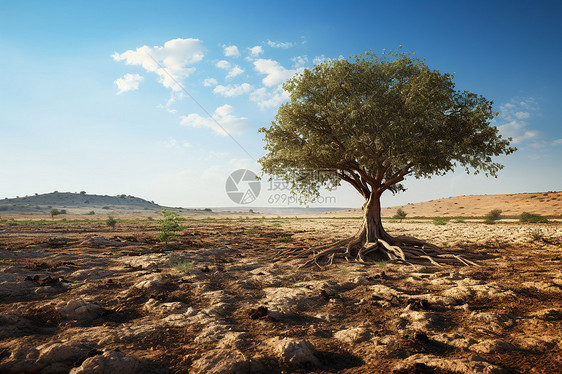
(85, 298)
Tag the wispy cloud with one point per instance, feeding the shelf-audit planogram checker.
(231, 50)
(274, 71)
(176, 56)
(515, 116)
(282, 45)
(129, 82)
(222, 115)
(557, 142)
(234, 72)
(223, 64)
(232, 90)
(255, 51)
(209, 82)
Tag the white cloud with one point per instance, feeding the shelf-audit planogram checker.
(210, 82)
(129, 82)
(176, 57)
(516, 125)
(174, 96)
(282, 45)
(186, 144)
(522, 115)
(231, 50)
(557, 142)
(237, 70)
(223, 64)
(299, 61)
(170, 143)
(275, 73)
(232, 90)
(256, 51)
(269, 98)
(319, 59)
(229, 124)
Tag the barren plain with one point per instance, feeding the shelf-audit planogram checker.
(82, 297)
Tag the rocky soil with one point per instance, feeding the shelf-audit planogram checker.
(85, 298)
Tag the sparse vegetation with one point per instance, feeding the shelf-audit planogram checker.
(54, 212)
(492, 216)
(250, 231)
(400, 214)
(181, 265)
(286, 239)
(536, 235)
(91, 213)
(459, 220)
(440, 221)
(169, 226)
(110, 221)
(532, 218)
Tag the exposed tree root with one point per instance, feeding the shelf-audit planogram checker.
(400, 249)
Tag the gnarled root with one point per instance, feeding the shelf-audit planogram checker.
(400, 249)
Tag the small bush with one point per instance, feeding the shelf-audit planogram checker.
(106, 207)
(532, 218)
(286, 239)
(489, 221)
(459, 220)
(493, 215)
(250, 231)
(440, 221)
(207, 210)
(400, 214)
(169, 225)
(63, 211)
(54, 212)
(110, 221)
(149, 219)
(82, 192)
(182, 265)
(91, 213)
(536, 235)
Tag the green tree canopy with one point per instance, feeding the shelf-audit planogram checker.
(374, 120)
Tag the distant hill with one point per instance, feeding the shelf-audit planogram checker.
(544, 203)
(39, 203)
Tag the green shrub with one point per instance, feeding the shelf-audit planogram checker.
(489, 221)
(207, 210)
(440, 221)
(106, 207)
(493, 215)
(82, 192)
(54, 212)
(536, 235)
(149, 219)
(250, 231)
(181, 265)
(400, 214)
(286, 239)
(63, 211)
(91, 213)
(169, 226)
(110, 221)
(532, 218)
(459, 220)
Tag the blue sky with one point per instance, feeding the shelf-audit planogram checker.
(84, 108)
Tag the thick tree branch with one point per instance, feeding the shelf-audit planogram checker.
(397, 177)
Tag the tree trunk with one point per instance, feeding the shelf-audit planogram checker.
(372, 223)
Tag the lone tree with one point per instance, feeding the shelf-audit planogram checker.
(371, 123)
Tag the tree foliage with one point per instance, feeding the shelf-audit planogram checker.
(373, 120)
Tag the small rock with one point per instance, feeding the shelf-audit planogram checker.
(222, 361)
(492, 346)
(353, 336)
(109, 362)
(292, 351)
